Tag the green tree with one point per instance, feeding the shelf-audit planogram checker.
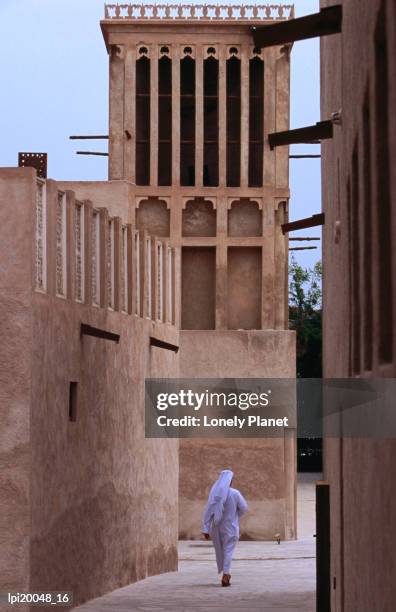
(305, 317)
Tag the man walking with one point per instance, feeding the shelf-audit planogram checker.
(221, 521)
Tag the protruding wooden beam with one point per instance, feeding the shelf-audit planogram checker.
(313, 221)
(303, 249)
(328, 21)
(305, 156)
(320, 131)
(164, 345)
(100, 153)
(96, 332)
(87, 137)
(303, 238)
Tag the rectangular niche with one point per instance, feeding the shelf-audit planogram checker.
(199, 218)
(198, 287)
(244, 287)
(245, 218)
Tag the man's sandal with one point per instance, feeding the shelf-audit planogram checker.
(226, 580)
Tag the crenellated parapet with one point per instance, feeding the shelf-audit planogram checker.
(200, 12)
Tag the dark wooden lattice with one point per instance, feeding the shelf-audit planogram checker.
(34, 160)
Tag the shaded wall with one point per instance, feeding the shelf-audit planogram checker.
(198, 287)
(16, 325)
(356, 252)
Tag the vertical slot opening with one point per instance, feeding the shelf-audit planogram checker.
(143, 120)
(211, 122)
(187, 121)
(256, 121)
(73, 401)
(164, 121)
(233, 89)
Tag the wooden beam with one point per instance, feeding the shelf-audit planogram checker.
(303, 249)
(162, 344)
(92, 153)
(303, 238)
(313, 221)
(85, 137)
(320, 131)
(305, 156)
(328, 21)
(96, 332)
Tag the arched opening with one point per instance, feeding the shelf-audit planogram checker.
(153, 216)
(199, 218)
(244, 218)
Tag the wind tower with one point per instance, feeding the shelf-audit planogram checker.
(192, 102)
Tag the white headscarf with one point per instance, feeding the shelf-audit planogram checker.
(218, 495)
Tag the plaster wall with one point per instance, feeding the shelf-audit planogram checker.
(244, 287)
(88, 504)
(115, 196)
(16, 324)
(103, 498)
(264, 468)
(363, 511)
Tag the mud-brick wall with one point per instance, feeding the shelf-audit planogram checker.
(87, 503)
(104, 499)
(16, 328)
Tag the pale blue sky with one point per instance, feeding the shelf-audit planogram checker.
(55, 80)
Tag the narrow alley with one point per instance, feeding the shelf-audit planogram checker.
(265, 576)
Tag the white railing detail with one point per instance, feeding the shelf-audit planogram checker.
(200, 12)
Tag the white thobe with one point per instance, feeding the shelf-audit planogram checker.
(225, 535)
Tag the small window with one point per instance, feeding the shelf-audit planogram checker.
(73, 402)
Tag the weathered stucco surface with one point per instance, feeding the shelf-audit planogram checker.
(359, 471)
(16, 321)
(103, 498)
(86, 505)
(264, 467)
